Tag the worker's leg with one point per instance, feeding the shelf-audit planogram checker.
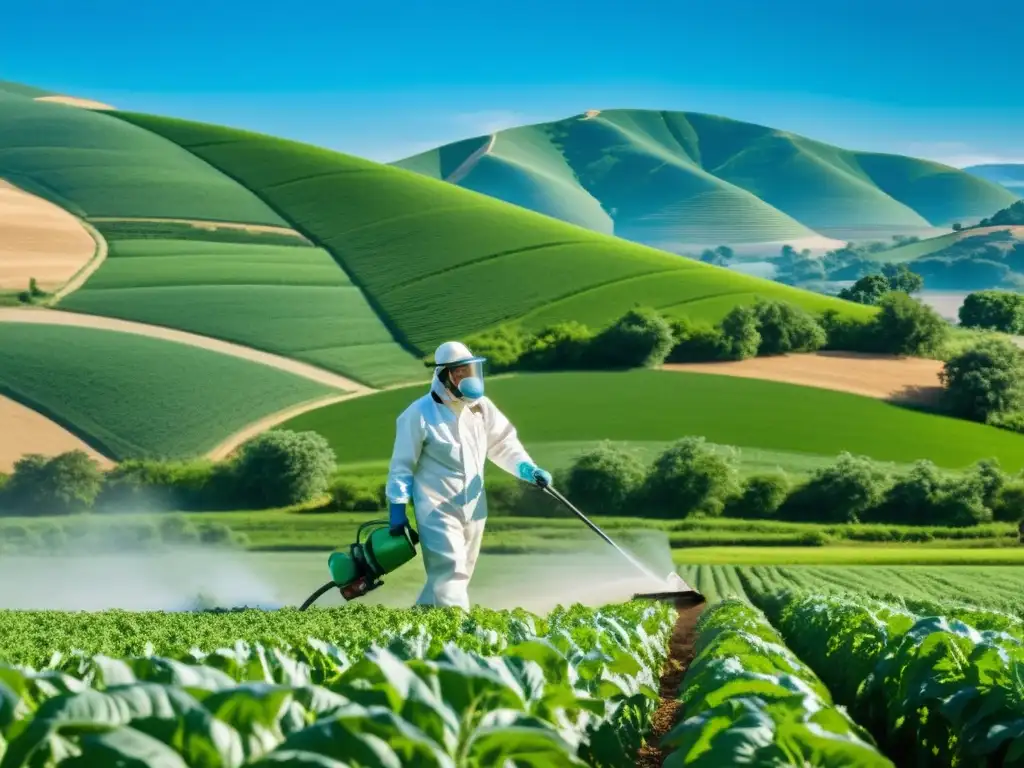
(474, 532)
(443, 544)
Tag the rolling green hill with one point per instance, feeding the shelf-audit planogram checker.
(131, 396)
(1009, 175)
(765, 415)
(437, 262)
(679, 180)
(92, 165)
(292, 300)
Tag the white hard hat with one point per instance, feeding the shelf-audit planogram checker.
(454, 352)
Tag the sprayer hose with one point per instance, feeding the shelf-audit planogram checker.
(315, 596)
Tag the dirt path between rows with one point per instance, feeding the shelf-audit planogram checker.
(669, 711)
(58, 317)
(229, 444)
(467, 165)
(886, 377)
(210, 225)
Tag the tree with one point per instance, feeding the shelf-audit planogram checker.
(640, 338)
(740, 337)
(842, 493)
(606, 479)
(993, 310)
(561, 346)
(695, 342)
(784, 327)
(62, 485)
(985, 381)
(761, 497)
(901, 278)
(868, 290)
(690, 476)
(282, 467)
(957, 226)
(905, 326)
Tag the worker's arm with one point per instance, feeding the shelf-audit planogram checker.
(505, 449)
(409, 435)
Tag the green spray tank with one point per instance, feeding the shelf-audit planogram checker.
(360, 569)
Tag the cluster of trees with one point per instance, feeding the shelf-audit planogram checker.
(642, 337)
(1010, 216)
(694, 478)
(872, 287)
(274, 469)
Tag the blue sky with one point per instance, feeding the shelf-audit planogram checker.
(387, 78)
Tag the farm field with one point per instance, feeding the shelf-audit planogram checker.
(686, 180)
(723, 409)
(292, 300)
(441, 240)
(101, 385)
(94, 165)
(689, 687)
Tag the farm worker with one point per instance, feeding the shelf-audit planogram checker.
(441, 443)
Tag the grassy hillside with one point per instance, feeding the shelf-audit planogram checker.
(676, 179)
(972, 259)
(92, 165)
(104, 386)
(743, 412)
(1009, 175)
(436, 261)
(293, 300)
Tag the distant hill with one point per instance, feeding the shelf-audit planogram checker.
(1009, 175)
(682, 181)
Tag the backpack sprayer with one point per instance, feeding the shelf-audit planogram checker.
(360, 569)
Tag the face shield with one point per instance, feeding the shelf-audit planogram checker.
(464, 378)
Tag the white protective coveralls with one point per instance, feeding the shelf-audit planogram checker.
(441, 446)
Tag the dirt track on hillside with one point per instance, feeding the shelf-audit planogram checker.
(57, 317)
(24, 431)
(884, 377)
(41, 240)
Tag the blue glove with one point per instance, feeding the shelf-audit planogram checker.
(397, 517)
(531, 473)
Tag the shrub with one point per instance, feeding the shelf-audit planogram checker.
(156, 486)
(761, 498)
(690, 476)
(912, 498)
(562, 346)
(282, 467)
(358, 494)
(502, 346)
(905, 326)
(847, 334)
(961, 503)
(867, 290)
(62, 485)
(841, 493)
(511, 497)
(177, 530)
(640, 338)
(989, 479)
(740, 337)
(984, 381)
(993, 310)
(605, 480)
(1008, 505)
(695, 342)
(784, 327)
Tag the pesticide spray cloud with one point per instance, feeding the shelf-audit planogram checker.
(592, 574)
(104, 567)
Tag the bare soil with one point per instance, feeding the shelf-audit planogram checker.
(41, 240)
(24, 431)
(212, 225)
(670, 709)
(886, 377)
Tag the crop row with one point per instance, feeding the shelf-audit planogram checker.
(574, 689)
(749, 700)
(936, 686)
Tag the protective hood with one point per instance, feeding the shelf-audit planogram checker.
(458, 373)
